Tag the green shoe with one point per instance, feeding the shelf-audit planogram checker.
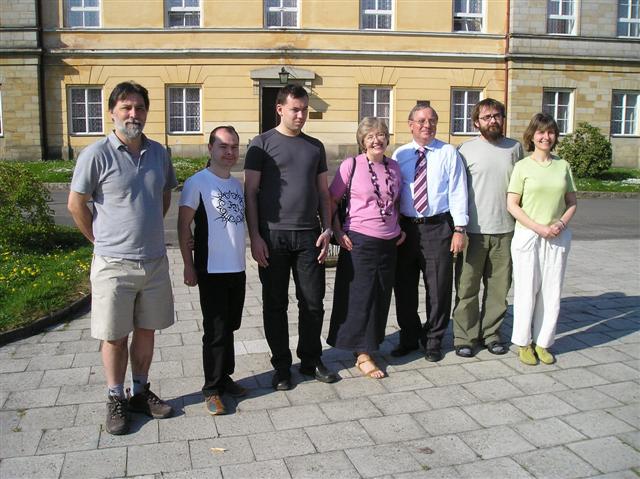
(526, 355)
(544, 355)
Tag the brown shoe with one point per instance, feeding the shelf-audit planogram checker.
(214, 405)
(234, 389)
(117, 416)
(148, 403)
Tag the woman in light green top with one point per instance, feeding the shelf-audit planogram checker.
(542, 198)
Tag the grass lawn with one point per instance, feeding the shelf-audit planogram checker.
(35, 283)
(614, 179)
(60, 171)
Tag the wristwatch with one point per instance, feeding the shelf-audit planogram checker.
(460, 229)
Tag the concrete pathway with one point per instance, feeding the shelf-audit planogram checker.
(486, 417)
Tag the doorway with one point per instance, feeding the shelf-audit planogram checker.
(268, 117)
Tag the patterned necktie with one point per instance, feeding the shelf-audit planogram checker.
(420, 200)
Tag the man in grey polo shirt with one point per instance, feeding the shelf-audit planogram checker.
(489, 160)
(129, 179)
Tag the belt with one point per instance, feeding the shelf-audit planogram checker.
(426, 220)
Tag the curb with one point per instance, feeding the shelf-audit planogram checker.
(39, 325)
(57, 186)
(607, 194)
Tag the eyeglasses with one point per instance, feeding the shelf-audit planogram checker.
(488, 118)
(426, 122)
(378, 136)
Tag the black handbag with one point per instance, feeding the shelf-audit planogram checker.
(343, 205)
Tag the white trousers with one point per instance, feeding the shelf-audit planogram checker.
(538, 272)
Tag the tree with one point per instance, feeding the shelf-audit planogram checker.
(587, 150)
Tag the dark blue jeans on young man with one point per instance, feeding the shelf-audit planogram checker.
(292, 252)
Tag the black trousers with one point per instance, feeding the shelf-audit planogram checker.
(221, 300)
(425, 250)
(362, 293)
(292, 252)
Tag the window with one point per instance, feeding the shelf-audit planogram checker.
(86, 110)
(629, 18)
(183, 13)
(561, 17)
(558, 104)
(184, 109)
(376, 101)
(467, 15)
(83, 13)
(462, 102)
(281, 13)
(624, 114)
(376, 14)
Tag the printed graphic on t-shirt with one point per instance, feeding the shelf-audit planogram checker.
(229, 205)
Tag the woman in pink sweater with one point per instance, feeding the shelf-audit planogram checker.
(368, 240)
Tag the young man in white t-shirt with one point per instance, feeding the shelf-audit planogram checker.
(214, 201)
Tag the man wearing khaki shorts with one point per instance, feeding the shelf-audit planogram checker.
(129, 179)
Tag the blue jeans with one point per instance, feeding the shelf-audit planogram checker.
(293, 251)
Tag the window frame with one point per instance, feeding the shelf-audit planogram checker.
(467, 15)
(87, 116)
(636, 111)
(556, 105)
(376, 103)
(184, 115)
(377, 12)
(184, 11)
(281, 10)
(83, 9)
(472, 131)
(572, 19)
(629, 20)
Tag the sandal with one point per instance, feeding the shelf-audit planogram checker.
(497, 348)
(370, 373)
(464, 351)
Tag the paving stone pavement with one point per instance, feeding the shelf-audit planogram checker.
(485, 417)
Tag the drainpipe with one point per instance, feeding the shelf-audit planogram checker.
(44, 147)
(506, 59)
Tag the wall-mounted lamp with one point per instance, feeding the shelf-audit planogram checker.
(284, 76)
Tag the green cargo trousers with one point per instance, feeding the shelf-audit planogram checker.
(487, 260)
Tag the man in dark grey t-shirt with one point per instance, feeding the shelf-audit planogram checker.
(285, 189)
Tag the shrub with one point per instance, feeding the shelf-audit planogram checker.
(587, 150)
(26, 221)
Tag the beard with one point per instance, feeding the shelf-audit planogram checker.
(492, 132)
(131, 129)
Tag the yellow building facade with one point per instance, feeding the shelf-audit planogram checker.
(212, 62)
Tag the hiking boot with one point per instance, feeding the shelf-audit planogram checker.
(526, 355)
(148, 403)
(214, 405)
(117, 416)
(544, 355)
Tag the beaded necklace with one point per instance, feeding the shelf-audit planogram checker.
(385, 207)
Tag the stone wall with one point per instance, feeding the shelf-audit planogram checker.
(18, 13)
(592, 87)
(20, 138)
(20, 109)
